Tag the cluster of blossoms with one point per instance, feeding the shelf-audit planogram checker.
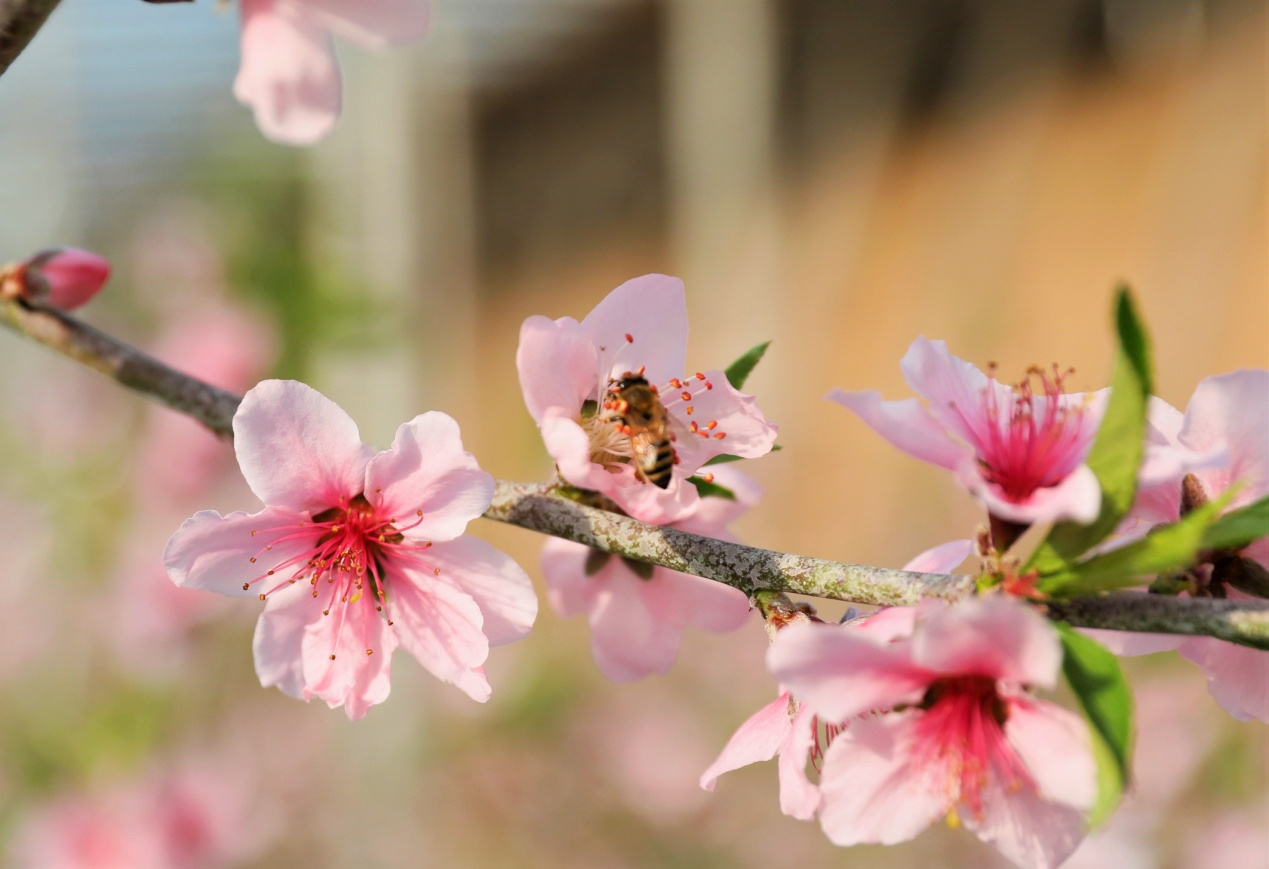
(884, 722)
(907, 716)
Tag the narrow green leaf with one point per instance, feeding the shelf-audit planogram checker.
(1117, 452)
(1171, 548)
(727, 457)
(738, 372)
(1098, 683)
(709, 489)
(1239, 527)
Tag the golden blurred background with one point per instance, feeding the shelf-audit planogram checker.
(840, 176)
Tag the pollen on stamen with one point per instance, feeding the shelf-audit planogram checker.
(720, 435)
(691, 409)
(700, 375)
(674, 382)
(693, 427)
(262, 597)
(708, 385)
(253, 559)
(253, 532)
(712, 424)
(370, 651)
(687, 396)
(332, 657)
(325, 612)
(246, 585)
(436, 571)
(709, 478)
(629, 338)
(270, 573)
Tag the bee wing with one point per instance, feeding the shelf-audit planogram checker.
(644, 444)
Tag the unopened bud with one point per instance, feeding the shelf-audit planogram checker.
(64, 278)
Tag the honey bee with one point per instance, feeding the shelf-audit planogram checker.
(638, 412)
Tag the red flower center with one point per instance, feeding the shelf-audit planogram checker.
(1034, 438)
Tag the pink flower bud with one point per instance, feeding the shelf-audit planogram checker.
(64, 277)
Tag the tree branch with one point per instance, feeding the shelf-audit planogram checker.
(20, 20)
(538, 507)
(209, 405)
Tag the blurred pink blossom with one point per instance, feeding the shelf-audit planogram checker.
(352, 544)
(152, 620)
(289, 74)
(568, 368)
(179, 458)
(1227, 416)
(942, 723)
(637, 612)
(1017, 450)
(184, 818)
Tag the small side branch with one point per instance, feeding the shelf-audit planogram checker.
(209, 405)
(20, 20)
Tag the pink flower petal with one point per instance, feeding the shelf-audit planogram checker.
(1029, 830)
(995, 637)
(1232, 410)
(681, 599)
(499, 586)
(798, 797)
(1237, 676)
(214, 553)
(1053, 744)
(288, 76)
(279, 639)
(953, 387)
(428, 470)
(558, 366)
(570, 591)
(371, 23)
(352, 678)
(441, 627)
(649, 503)
(906, 425)
(297, 448)
(870, 791)
(887, 624)
(1129, 644)
(747, 432)
(756, 740)
(841, 673)
(569, 447)
(712, 515)
(652, 310)
(1077, 498)
(943, 558)
(627, 641)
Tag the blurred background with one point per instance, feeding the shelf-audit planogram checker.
(840, 176)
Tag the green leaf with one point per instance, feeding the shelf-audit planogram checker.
(1170, 548)
(1120, 445)
(710, 489)
(727, 457)
(738, 372)
(1239, 527)
(1098, 682)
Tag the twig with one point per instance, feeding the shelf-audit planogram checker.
(20, 20)
(212, 407)
(538, 508)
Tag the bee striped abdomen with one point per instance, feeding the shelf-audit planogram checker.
(642, 417)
